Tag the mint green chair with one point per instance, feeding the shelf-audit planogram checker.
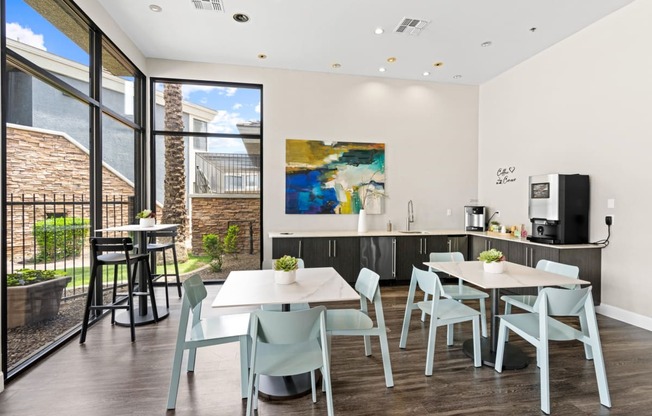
(354, 322)
(204, 332)
(288, 343)
(539, 326)
(442, 311)
(268, 265)
(460, 292)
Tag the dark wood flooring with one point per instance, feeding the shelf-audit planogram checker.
(111, 376)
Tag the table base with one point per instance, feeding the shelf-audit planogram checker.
(284, 387)
(514, 358)
(122, 318)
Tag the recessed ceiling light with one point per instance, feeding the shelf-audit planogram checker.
(262, 56)
(241, 18)
(457, 76)
(381, 69)
(379, 31)
(426, 73)
(438, 64)
(485, 44)
(391, 59)
(336, 65)
(155, 8)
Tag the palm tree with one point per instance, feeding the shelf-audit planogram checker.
(174, 202)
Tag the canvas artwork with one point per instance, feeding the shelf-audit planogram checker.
(328, 177)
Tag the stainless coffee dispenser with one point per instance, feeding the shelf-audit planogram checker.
(474, 217)
(559, 209)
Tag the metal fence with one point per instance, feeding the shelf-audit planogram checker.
(50, 232)
(227, 173)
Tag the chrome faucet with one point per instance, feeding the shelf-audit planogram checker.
(410, 214)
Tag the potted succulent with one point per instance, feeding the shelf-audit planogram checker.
(492, 261)
(147, 218)
(34, 295)
(285, 270)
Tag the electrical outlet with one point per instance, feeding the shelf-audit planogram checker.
(449, 212)
(609, 219)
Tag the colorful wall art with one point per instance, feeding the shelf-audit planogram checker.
(324, 177)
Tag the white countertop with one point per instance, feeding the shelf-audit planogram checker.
(347, 233)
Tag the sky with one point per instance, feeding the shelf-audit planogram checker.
(233, 105)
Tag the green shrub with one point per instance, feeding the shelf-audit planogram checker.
(60, 238)
(26, 277)
(213, 247)
(230, 244)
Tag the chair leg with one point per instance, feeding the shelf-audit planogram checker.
(244, 365)
(115, 291)
(130, 302)
(87, 309)
(588, 352)
(542, 354)
(165, 276)
(598, 358)
(409, 306)
(313, 385)
(387, 364)
(174, 380)
(367, 345)
(508, 310)
(329, 391)
(176, 268)
(483, 317)
(250, 393)
(450, 333)
(151, 290)
(423, 313)
(500, 350)
(477, 349)
(432, 336)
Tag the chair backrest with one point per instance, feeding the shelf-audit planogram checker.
(194, 291)
(367, 284)
(162, 233)
(269, 264)
(101, 245)
(447, 256)
(427, 281)
(560, 268)
(562, 302)
(293, 327)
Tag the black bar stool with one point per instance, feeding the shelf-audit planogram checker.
(116, 251)
(153, 246)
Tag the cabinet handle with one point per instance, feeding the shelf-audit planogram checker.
(425, 246)
(334, 248)
(394, 257)
(300, 241)
(329, 248)
(421, 246)
(449, 246)
(531, 257)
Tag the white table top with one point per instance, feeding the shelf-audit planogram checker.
(515, 275)
(138, 227)
(257, 287)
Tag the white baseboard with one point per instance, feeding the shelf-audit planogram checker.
(627, 317)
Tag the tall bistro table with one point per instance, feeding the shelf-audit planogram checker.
(257, 287)
(144, 315)
(514, 276)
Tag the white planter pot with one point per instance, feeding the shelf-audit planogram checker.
(362, 221)
(494, 267)
(147, 222)
(285, 278)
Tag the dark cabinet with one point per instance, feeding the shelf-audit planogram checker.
(480, 244)
(379, 254)
(458, 243)
(414, 251)
(341, 253)
(290, 246)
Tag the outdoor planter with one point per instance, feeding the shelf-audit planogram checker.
(34, 302)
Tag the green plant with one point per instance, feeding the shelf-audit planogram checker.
(213, 247)
(286, 263)
(146, 213)
(26, 277)
(230, 244)
(59, 238)
(491, 256)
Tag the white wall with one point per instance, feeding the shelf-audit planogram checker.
(430, 132)
(583, 106)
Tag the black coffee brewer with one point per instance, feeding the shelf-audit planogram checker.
(559, 209)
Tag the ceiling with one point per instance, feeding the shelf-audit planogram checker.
(314, 35)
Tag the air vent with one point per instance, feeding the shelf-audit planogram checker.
(410, 26)
(214, 5)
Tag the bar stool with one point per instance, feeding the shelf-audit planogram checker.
(154, 247)
(116, 251)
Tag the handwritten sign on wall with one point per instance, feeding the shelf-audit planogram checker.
(505, 175)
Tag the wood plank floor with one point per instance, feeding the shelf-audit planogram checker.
(111, 376)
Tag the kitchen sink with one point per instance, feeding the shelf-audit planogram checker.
(412, 232)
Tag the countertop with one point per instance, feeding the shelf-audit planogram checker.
(420, 233)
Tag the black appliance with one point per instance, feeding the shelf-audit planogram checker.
(559, 208)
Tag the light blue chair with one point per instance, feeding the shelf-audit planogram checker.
(204, 332)
(354, 322)
(538, 327)
(526, 302)
(459, 292)
(268, 265)
(288, 343)
(442, 312)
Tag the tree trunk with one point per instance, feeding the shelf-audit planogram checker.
(174, 203)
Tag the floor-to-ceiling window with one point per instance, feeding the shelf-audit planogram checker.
(206, 138)
(72, 145)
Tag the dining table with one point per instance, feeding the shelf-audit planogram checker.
(258, 287)
(145, 314)
(514, 276)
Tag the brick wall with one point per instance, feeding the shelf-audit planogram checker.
(211, 215)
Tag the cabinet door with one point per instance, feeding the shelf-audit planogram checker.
(289, 246)
(519, 253)
(478, 245)
(589, 260)
(542, 253)
(500, 245)
(377, 254)
(409, 251)
(345, 257)
(459, 243)
(317, 252)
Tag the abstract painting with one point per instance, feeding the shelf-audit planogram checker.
(329, 177)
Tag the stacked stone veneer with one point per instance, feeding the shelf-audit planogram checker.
(43, 166)
(211, 215)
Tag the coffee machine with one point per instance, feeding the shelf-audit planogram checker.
(559, 208)
(474, 218)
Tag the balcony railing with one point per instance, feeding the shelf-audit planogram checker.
(227, 173)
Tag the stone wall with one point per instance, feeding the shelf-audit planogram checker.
(212, 215)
